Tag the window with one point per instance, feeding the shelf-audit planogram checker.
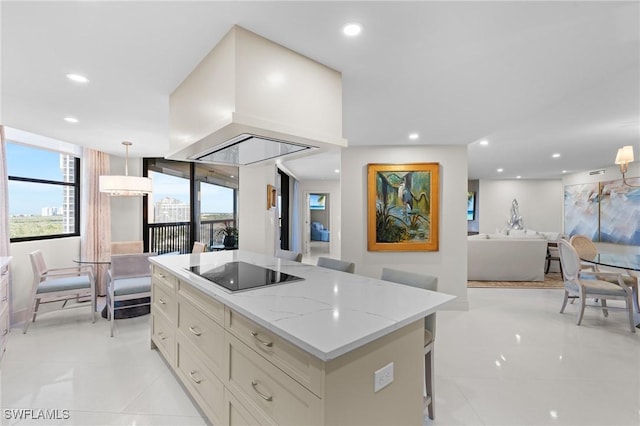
(190, 202)
(170, 199)
(44, 193)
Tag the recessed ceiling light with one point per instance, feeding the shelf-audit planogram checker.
(518, 177)
(414, 136)
(71, 119)
(352, 29)
(231, 176)
(564, 171)
(499, 170)
(78, 78)
(556, 155)
(484, 142)
(337, 171)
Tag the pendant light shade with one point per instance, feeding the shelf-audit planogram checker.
(126, 186)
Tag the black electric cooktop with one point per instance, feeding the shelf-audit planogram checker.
(238, 276)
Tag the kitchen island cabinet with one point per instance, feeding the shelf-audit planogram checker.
(300, 353)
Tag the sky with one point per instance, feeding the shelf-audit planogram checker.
(30, 198)
(214, 199)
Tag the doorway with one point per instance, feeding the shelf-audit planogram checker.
(318, 219)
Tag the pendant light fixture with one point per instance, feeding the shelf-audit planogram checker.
(126, 186)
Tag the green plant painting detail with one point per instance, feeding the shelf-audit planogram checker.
(403, 206)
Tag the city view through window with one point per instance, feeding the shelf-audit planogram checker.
(42, 191)
(169, 214)
(171, 200)
(42, 196)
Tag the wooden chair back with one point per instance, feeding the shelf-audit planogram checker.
(127, 247)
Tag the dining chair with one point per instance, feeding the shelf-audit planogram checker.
(128, 278)
(427, 282)
(59, 285)
(198, 247)
(290, 255)
(552, 256)
(585, 249)
(127, 247)
(338, 265)
(582, 284)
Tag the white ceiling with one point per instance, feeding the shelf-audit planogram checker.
(533, 78)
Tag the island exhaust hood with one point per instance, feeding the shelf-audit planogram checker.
(251, 100)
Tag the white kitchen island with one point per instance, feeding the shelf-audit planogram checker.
(298, 353)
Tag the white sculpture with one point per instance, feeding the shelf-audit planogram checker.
(515, 220)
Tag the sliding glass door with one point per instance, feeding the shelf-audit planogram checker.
(190, 202)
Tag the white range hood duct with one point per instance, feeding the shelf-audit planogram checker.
(251, 100)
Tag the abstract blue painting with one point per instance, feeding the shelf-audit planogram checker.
(620, 212)
(581, 210)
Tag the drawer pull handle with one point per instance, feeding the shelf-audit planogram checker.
(194, 330)
(162, 336)
(192, 374)
(263, 396)
(5, 332)
(263, 342)
(162, 301)
(4, 299)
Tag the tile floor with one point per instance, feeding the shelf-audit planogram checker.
(316, 249)
(512, 359)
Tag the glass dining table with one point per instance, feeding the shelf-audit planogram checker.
(134, 311)
(630, 263)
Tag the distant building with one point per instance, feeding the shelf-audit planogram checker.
(171, 210)
(67, 165)
(51, 211)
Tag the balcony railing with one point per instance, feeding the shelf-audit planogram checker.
(174, 237)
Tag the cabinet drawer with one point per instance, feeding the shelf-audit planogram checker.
(163, 334)
(203, 385)
(267, 390)
(165, 277)
(212, 308)
(236, 414)
(4, 292)
(4, 329)
(302, 366)
(205, 334)
(164, 301)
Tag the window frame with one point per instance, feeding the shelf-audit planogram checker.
(149, 165)
(76, 196)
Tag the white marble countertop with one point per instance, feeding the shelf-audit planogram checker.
(327, 314)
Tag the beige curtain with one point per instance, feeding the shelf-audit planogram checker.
(95, 232)
(4, 197)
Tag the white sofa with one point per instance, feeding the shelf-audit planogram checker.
(498, 257)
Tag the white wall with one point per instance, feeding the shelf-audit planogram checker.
(256, 224)
(540, 204)
(331, 187)
(449, 263)
(610, 173)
